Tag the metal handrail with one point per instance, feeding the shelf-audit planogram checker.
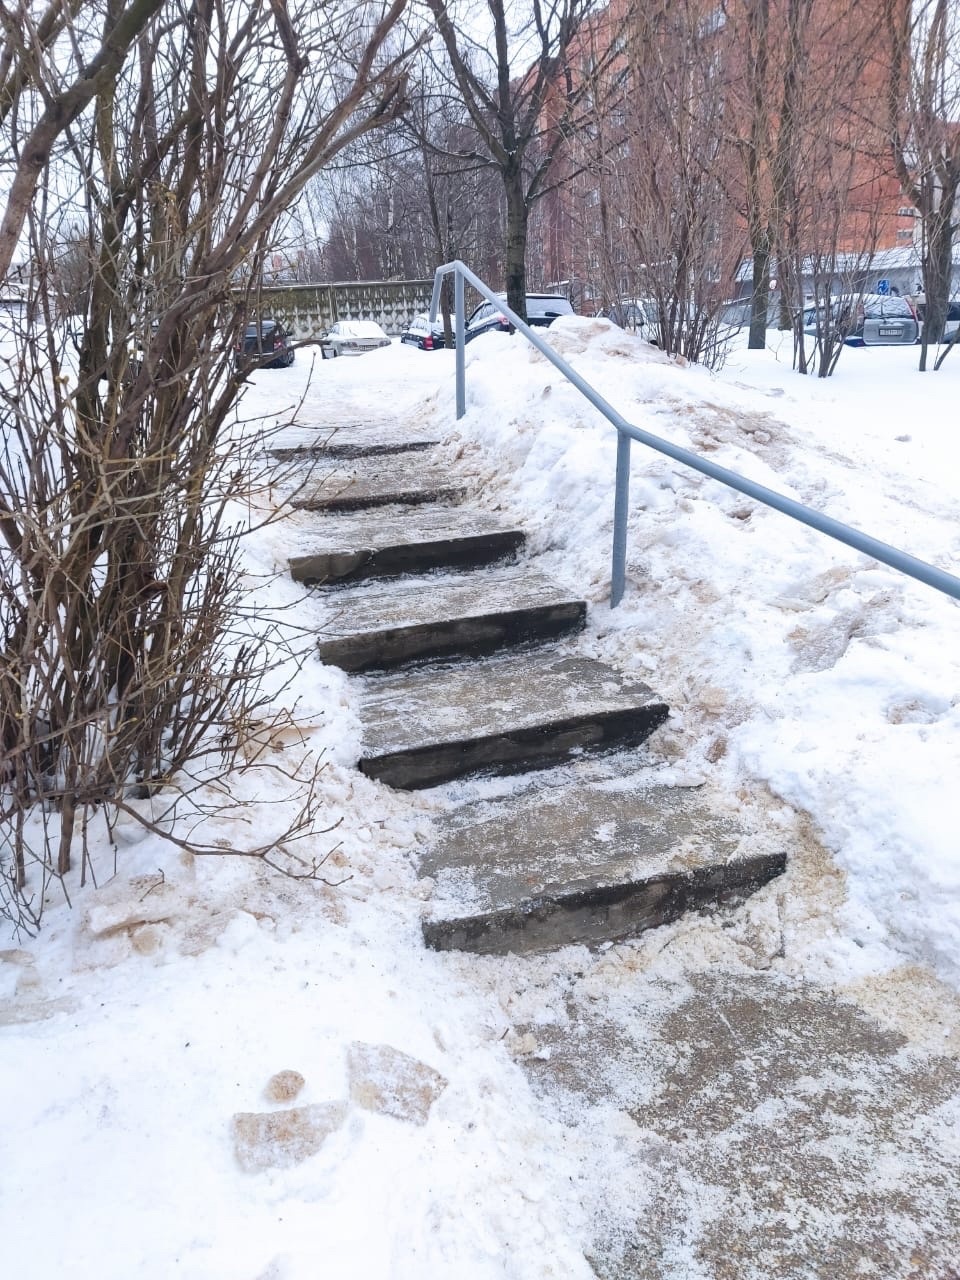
(904, 563)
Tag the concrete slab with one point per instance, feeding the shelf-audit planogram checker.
(443, 614)
(307, 441)
(742, 1126)
(507, 714)
(405, 478)
(584, 862)
(396, 540)
(348, 446)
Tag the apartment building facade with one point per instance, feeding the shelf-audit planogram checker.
(712, 129)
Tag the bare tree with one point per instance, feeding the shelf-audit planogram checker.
(38, 102)
(923, 107)
(828, 173)
(405, 200)
(754, 146)
(464, 213)
(650, 205)
(118, 537)
(803, 80)
(524, 88)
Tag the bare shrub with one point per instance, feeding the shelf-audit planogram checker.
(123, 650)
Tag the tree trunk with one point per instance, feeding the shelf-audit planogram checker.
(760, 301)
(938, 271)
(516, 246)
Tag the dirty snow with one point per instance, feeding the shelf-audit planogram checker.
(812, 688)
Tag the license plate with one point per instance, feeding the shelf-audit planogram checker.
(890, 331)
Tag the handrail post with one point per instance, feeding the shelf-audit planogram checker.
(460, 336)
(618, 568)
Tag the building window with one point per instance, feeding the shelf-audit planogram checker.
(907, 211)
(906, 233)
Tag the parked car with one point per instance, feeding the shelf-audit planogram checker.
(952, 323)
(637, 315)
(421, 333)
(735, 314)
(352, 338)
(871, 320)
(542, 310)
(265, 345)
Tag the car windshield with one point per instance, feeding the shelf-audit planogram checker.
(549, 306)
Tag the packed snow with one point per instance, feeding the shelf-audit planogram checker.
(814, 688)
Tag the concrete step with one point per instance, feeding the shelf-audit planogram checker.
(353, 441)
(508, 714)
(443, 615)
(377, 481)
(396, 540)
(583, 862)
(738, 1124)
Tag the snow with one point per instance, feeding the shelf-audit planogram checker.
(359, 329)
(815, 688)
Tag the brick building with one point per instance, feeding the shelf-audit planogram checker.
(705, 117)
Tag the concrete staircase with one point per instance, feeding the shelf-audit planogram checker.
(467, 663)
(722, 1116)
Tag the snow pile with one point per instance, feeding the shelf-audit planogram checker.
(787, 658)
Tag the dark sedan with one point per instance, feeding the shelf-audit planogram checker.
(265, 345)
(952, 323)
(421, 333)
(542, 310)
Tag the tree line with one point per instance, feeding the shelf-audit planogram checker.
(663, 151)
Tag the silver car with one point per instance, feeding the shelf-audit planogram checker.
(873, 320)
(352, 338)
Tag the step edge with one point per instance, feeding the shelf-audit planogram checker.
(294, 453)
(403, 497)
(653, 713)
(512, 538)
(708, 885)
(449, 637)
(577, 608)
